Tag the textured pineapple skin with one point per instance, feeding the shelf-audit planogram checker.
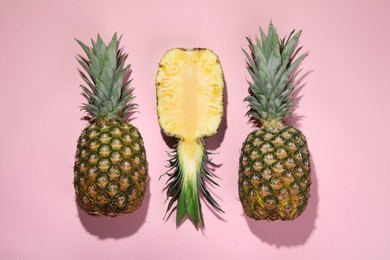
(110, 171)
(274, 173)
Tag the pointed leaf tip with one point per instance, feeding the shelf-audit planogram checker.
(99, 38)
(271, 28)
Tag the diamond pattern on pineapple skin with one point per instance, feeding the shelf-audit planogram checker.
(110, 169)
(276, 174)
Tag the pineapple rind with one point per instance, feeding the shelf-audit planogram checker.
(274, 174)
(110, 169)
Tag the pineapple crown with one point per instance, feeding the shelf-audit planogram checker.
(271, 64)
(107, 91)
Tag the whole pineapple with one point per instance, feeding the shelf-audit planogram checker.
(110, 171)
(274, 173)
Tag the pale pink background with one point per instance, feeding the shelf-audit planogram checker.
(343, 112)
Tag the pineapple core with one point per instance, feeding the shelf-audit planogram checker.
(190, 93)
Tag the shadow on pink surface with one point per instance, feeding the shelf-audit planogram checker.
(289, 233)
(116, 227)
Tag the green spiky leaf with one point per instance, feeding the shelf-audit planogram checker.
(271, 64)
(186, 193)
(107, 92)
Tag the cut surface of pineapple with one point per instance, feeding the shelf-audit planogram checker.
(190, 93)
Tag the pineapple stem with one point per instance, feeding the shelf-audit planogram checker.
(188, 169)
(272, 123)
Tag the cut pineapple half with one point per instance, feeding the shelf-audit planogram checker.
(189, 93)
(190, 106)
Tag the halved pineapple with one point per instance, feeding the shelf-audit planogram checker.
(190, 106)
